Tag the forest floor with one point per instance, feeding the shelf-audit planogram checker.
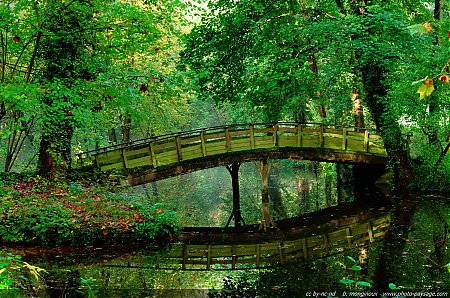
(35, 211)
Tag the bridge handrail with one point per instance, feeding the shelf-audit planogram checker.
(192, 132)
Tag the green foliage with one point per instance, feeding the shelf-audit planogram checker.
(76, 68)
(354, 282)
(87, 287)
(42, 212)
(18, 277)
(243, 288)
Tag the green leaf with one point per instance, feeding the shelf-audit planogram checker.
(346, 281)
(364, 284)
(351, 259)
(448, 267)
(356, 268)
(392, 286)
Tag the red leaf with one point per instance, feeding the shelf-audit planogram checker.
(16, 39)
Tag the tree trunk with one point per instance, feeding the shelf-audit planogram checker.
(438, 8)
(275, 192)
(236, 212)
(316, 183)
(358, 110)
(328, 191)
(55, 152)
(375, 87)
(126, 128)
(62, 55)
(344, 183)
(112, 136)
(396, 146)
(266, 221)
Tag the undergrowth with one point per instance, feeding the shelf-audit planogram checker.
(36, 211)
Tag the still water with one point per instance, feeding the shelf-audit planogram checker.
(413, 257)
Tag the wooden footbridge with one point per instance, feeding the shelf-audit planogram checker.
(169, 155)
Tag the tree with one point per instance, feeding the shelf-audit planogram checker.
(69, 68)
(260, 55)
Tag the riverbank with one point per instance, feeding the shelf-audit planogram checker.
(38, 212)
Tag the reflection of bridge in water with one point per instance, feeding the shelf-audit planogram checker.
(316, 234)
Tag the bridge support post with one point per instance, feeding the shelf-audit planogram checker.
(236, 213)
(267, 220)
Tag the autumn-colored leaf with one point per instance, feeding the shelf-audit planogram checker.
(426, 89)
(34, 270)
(445, 78)
(16, 39)
(420, 28)
(429, 82)
(428, 28)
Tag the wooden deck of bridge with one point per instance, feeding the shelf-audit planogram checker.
(169, 151)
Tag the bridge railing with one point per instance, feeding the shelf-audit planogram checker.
(176, 147)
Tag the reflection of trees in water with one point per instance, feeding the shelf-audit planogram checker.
(205, 198)
(414, 253)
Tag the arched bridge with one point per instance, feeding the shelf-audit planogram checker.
(169, 155)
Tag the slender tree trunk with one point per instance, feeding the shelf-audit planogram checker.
(358, 110)
(266, 221)
(236, 212)
(328, 191)
(112, 136)
(126, 128)
(302, 189)
(275, 192)
(438, 8)
(316, 183)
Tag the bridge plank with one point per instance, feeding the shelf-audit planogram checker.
(138, 162)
